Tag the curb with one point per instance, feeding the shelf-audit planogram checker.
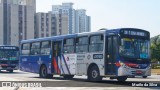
(155, 74)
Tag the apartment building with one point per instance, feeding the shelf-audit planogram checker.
(16, 21)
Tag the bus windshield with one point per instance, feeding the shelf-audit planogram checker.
(134, 48)
(8, 55)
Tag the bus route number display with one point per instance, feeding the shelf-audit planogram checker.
(134, 33)
(97, 56)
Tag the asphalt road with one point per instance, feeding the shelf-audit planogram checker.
(77, 83)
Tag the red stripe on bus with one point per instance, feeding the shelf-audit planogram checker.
(55, 65)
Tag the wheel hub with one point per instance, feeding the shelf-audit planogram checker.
(43, 72)
(94, 73)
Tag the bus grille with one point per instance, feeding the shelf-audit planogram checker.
(133, 72)
(3, 62)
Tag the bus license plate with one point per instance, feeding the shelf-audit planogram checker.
(139, 72)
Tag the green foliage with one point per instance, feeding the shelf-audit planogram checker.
(155, 66)
(155, 49)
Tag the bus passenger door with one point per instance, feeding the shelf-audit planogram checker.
(111, 52)
(56, 57)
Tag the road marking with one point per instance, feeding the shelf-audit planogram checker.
(16, 88)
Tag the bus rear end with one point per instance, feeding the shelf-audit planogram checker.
(9, 58)
(134, 53)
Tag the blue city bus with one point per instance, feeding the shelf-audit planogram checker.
(9, 58)
(117, 53)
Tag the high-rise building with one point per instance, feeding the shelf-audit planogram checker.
(49, 24)
(45, 25)
(78, 21)
(88, 23)
(62, 21)
(66, 9)
(82, 21)
(16, 21)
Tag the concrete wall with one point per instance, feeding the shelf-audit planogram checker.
(1, 23)
(64, 22)
(30, 22)
(14, 25)
(45, 25)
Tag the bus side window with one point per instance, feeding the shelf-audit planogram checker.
(45, 47)
(35, 48)
(96, 43)
(25, 49)
(82, 44)
(69, 45)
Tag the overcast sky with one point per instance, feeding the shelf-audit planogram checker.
(143, 14)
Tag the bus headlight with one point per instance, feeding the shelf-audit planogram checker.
(17, 66)
(149, 66)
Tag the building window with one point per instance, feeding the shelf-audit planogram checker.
(60, 25)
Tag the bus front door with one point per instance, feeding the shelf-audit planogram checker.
(111, 52)
(56, 57)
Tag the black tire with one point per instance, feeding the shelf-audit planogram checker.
(43, 72)
(94, 74)
(68, 76)
(122, 78)
(144, 76)
(49, 75)
(11, 71)
(131, 76)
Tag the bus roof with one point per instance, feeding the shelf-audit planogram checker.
(8, 46)
(62, 36)
(107, 31)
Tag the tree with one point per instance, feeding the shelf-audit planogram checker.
(155, 48)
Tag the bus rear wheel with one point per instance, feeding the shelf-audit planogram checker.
(68, 76)
(94, 74)
(43, 72)
(122, 78)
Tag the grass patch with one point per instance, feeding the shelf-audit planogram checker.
(155, 71)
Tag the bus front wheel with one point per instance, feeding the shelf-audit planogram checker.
(11, 71)
(94, 74)
(122, 78)
(144, 76)
(43, 72)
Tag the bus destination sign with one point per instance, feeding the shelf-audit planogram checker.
(9, 48)
(134, 33)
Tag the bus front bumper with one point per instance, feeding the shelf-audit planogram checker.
(8, 67)
(128, 71)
